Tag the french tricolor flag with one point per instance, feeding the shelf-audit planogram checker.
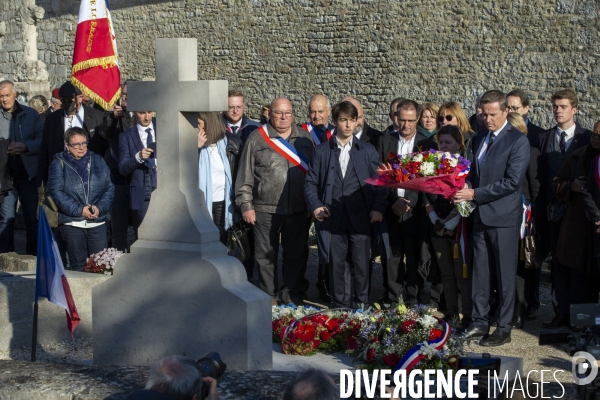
(51, 281)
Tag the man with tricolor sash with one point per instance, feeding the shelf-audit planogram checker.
(319, 128)
(269, 192)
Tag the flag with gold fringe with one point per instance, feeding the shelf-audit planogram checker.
(95, 68)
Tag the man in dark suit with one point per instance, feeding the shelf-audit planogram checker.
(235, 119)
(116, 122)
(403, 214)
(137, 163)
(518, 102)
(344, 205)
(72, 113)
(394, 127)
(555, 146)
(494, 184)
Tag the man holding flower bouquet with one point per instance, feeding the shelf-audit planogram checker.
(346, 208)
(494, 185)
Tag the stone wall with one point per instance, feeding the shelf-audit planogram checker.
(376, 50)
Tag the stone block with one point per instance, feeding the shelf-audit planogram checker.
(17, 294)
(13, 262)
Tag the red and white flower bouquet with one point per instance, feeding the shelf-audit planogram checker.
(103, 262)
(434, 172)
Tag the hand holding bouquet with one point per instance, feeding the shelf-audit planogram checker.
(434, 172)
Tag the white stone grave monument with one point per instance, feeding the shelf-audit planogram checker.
(178, 292)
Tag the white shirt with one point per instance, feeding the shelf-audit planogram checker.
(75, 120)
(144, 138)
(487, 140)
(359, 134)
(218, 174)
(344, 154)
(405, 147)
(238, 124)
(570, 135)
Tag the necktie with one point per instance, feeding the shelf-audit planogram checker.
(563, 142)
(234, 129)
(490, 140)
(149, 140)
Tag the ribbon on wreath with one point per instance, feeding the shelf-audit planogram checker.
(414, 356)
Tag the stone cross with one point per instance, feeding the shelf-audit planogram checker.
(177, 210)
(178, 292)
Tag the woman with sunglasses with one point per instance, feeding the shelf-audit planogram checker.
(451, 113)
(428, 124)
(79, 183)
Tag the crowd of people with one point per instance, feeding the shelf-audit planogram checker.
(280, 177)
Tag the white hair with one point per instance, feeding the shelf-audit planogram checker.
(177, 376)
(7, 82)
(316, 95)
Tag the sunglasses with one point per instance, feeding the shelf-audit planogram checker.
(447, 118)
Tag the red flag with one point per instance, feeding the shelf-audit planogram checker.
(95, 68)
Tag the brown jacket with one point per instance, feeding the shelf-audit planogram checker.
(574, 239)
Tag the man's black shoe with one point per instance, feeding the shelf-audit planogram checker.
(498, 338)
(559, 320)
(518, 322)
(473, 333)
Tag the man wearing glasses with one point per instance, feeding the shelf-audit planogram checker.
(234, 118)
(518, 102)
(71, 114)
(403, 215)
(21, 127)
(269, 191)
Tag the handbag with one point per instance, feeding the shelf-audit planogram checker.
(50, 208)
(555, 210)
(240, 241)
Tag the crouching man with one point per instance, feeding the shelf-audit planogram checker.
(344, 206)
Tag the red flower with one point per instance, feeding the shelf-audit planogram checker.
(325, 336)
(281, 334)
(316, 344)
(408, 326)
(392, 359)
(370, 355)
(351, 343)
(435, 334)
(333, 326)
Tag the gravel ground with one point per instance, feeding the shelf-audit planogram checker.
(524, 342)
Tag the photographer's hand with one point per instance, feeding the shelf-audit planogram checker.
(212, 392)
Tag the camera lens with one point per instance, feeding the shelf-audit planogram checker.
(211, 365)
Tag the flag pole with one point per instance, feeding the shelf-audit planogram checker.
(37, 272)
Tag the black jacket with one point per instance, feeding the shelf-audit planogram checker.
(370, 135)
(110, 130)
(53, 138)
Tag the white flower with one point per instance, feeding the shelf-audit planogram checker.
(428, 350)
(453, 161)
(427, 169)
(427, 321)
(447, 155)
(418, 157)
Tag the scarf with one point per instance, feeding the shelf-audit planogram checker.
(205, 180)
(425, 132)
(82, 166)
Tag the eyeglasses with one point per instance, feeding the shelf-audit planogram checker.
(280, 114)
(81, 145)
(447, 118)
(238, 108)
(407, 121)
(514, 108)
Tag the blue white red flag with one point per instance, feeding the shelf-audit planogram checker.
(51, 280)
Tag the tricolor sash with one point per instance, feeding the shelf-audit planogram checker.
(285, 149)
(314, 133)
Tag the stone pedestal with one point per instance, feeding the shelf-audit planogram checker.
(178, 292)
(30, 89)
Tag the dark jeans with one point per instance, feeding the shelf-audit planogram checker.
(83, 242)
(292, 229)
(119, 218)
(26, 191)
